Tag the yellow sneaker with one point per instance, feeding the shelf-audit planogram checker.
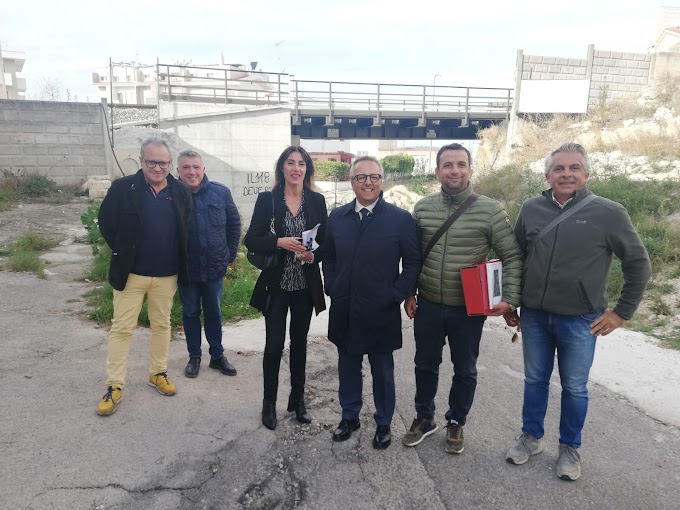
(161, 382)
(107, 405)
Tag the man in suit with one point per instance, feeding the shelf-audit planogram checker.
(144, 219)
(366, 240)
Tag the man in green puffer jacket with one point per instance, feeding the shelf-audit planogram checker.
(439, 311)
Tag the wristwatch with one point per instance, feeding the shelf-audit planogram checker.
(513, 308)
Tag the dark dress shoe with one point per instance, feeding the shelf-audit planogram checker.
(382, 438)
(223, 366)
(192, 367)
(345, 429)
(298, 405)
(269, 414)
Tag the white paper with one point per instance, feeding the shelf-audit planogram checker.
(494, 282)
(308, 238)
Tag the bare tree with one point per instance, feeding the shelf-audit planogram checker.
(47, 89)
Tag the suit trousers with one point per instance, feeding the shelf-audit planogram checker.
(350, 390)
(127, 304)
(300, 304)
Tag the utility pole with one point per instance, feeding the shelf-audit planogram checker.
(111, 96)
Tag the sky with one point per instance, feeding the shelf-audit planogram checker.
(453, 43)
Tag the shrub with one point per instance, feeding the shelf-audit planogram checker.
(37, 186)
(398, 164)
(330, 170)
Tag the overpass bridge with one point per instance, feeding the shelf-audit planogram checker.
(338, 109)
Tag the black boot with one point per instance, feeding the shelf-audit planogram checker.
(269, 414)
(298, 405)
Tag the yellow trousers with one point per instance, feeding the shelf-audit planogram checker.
(126, 307)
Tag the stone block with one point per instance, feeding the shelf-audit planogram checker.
(9, 127)
(5, 138)
(640, 57)
(580, 71)
(525, 75)
(617, 54)
(60, 129)
(23, 138)
(70, 139)
(567, 70)
(549, 60)
(85, 129)
(541, 68)
(535, 60)
(6, 161)
(626, 72)
(630, 79)
(554, 69)
(562, 61)
(92, 139)
(638, 72)
(83, 150)
(643, 65)
(641, 81)
(615, 71)
(61, 150)
(603, 54)
(35, 150)
(621, 63)
(25, 161)
(629, 56)
(525, 59)
(53, 139)
(32, 127)
(576, 62)
(618, 79)
(598, 61)
(94, 161)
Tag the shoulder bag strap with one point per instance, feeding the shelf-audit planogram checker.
(271, 223)
(456, 214)
(572, 210)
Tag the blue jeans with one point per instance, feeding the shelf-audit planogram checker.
(544, 333)
(207, 295)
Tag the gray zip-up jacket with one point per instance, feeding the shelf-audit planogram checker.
(566, 271)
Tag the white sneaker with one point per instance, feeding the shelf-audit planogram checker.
(568, 463)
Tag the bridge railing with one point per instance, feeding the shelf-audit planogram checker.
(385, 99)
(233, 85)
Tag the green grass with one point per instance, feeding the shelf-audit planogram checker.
(23, 255)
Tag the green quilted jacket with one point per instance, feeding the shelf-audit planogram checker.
(483, 226)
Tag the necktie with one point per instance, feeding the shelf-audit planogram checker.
(365, 213)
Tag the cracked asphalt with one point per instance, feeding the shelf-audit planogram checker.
(206, 449)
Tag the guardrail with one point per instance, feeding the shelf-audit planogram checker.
(329, 98)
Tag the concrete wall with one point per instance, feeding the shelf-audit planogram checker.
(249, 142)
(63, 141)
(665, 64)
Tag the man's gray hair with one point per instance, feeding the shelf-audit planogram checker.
(189, 154)
(154, 140)
(365, 158)
(568, 147)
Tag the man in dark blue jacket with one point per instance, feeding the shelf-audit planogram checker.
(213, 243)
(366, 240)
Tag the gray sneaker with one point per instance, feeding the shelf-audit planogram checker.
(454, 438)
(568, 463)
(422, 427)
(527, 446)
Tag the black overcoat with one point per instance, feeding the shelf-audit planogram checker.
(363, 278)
(259, 240)
(120, 220)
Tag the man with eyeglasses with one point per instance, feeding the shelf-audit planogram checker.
(366, 241)
(144, 219)
(439, 312)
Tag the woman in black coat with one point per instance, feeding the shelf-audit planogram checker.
(295, 282)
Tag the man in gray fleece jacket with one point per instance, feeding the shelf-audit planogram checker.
(564, 298)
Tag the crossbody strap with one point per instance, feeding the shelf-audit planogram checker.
(271, 223)
(456, 214)
(572, 210)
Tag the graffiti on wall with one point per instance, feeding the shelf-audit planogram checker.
(257, 182)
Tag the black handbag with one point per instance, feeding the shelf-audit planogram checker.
(265, 261)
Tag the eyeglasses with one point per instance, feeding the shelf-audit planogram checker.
(362, 177)
(162, 164)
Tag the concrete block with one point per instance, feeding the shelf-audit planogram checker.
(535, 60)
(632, 64)
(32, 127)
(567, 70)
(626, 72)
(23, 138)
(641, 81)
(5, 138)
(635, 88)
(638, 72)
(541, 68)
(25, 160)
(648, 58)
(85, 129)
(92, 139)
(94, 161)
(640, 57)
(576, 62)
(603, 54)
(525, 59)
(6, 161)
(59, 129)
(598, 61)
(618, 79)
(29, 105)
(34, 150)
(614, 71)
(525, 75)
(53, 139)
(617, 54)
(643, 65)
(629, 56)
(70, 139)
(549, 60)
(562, 61)
(84, 150)
(580, 71)
(44, 117)
(60, 150)
(554, 69)
(9, 127)
(621, 63)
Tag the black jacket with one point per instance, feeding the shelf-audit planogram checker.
(120, 218)
(364, 279)
(259, 240)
